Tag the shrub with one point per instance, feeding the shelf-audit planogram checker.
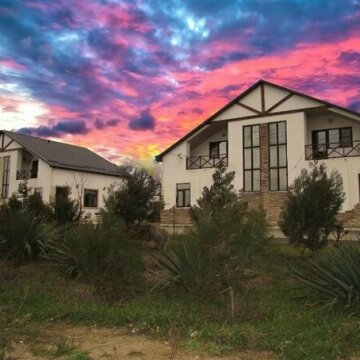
(225, 237)
(335, 274)
(133, 201)
(24, 200)
(66, 209)
(103, 255)
(309, 213)
(23, 235)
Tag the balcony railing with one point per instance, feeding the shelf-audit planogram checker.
(332, 150)
(205, 162)
(26, 174)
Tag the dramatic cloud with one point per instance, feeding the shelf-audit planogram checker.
(139, 74)
(74, 127)
(145, 122)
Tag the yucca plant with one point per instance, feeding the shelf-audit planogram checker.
(335, 274)
(184, 264)
(102, 254)
(23, 235)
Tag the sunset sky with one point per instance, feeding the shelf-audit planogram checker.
(128, 78)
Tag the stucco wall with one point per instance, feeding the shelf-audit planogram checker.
(203, 148)
(91, 181)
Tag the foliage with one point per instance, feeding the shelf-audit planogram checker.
(25, 200)
(335, 274)
(102, 254)
(23, 235)
(309, 213)
(66, 209)
(133, 201)
(272, 320)
(226, 236)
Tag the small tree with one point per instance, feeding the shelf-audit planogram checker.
(215, 254)
(132, 201)
(67, 210)
(309, 213)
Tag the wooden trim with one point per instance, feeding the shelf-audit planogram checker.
(2, 141)
(7, 145)
(325, 105)
(279, 103)
(272, 114)
(3, 151)
(250, 108)
(262, 98)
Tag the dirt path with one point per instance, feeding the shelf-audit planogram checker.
(65, 342)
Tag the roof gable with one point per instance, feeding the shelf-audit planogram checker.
(263, 99)
(66, 156)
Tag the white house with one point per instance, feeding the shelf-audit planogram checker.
(48, 166)
(266, 135)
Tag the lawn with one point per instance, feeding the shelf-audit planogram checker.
(272, 314)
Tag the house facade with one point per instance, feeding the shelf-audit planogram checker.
(267, 135)
(48, 167)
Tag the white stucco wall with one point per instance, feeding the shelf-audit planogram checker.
(99, 182)
(203, 148)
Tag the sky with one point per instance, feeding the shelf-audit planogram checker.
(127, 78)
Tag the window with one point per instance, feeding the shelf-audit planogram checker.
(90, 198)
(4, 176)
(251, 157)
(182, 195)
(217, 148)
(278, 156)
(323, 140)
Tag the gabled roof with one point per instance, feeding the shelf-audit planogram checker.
(66, 156)
(256, 113)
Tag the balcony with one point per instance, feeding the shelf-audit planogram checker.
(332, 150)
(205, 162)
(26, 174)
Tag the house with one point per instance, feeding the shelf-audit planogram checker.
(266, 135)
(48, 166)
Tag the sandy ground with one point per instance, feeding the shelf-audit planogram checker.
(109, 343)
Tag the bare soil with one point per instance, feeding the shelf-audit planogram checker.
(108, 343)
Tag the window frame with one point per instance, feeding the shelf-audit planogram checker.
(97, 199)
(182, 192)
(328, 138)
(5, 178)
(217, 144)
(278, 167)
(252, 169)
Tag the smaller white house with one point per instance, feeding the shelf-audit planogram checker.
(49, 166)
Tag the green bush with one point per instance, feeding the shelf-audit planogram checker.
(226, 235)
(23, 235)
(335, 274)
(309, 213)
(102, 254)
(66, 209)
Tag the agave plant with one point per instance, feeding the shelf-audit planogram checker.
(23, 236)
(335, 274)
(101, 254)
(183, 264)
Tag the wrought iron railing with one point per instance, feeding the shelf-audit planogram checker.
(26, 174)
(332, 150)
(205, 162)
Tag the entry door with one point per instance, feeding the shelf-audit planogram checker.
(319, 140)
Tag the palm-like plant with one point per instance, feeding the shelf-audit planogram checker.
(335, 274)
(23, 235)
(183, 264)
